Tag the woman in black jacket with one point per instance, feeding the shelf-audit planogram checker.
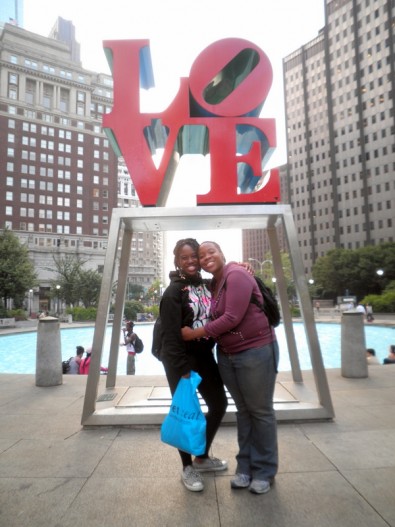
(186, 302)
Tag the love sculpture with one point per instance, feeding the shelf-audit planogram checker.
(215, 111)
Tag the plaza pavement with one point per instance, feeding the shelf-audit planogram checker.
(53, 473)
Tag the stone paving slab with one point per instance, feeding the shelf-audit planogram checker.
(53, 473)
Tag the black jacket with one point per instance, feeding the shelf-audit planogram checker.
(175, 313)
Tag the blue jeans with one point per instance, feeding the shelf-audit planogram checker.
(250, 377)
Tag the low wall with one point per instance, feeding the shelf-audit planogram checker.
(7, 322)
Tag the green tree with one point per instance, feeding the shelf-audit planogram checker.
(154, 292)
(266, 272)
(89, 284)
(132, 308)
(68, 270)
(135, 292)
(355, 271)
(17, 273)
(76, 284)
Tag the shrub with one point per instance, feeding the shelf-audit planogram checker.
(18, 314)
(384, 303)
(82, 314)
(131, 309)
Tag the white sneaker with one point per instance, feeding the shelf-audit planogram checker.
(210, 464)
(192, 479)
(259, 486)
(240, 481)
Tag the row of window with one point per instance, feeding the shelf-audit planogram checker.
(50, 173)
(385, 205)
(60, 229)
(356, 228)
(60, 147)
(46, 68)
(50, 118)
(49, 214)
(53, 97)
(68, 243)
(51, 200)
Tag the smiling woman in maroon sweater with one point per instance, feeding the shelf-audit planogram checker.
(247, 359)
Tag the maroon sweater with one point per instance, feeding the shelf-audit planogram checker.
(236, 323)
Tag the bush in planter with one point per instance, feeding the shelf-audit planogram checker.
(82, 314)
(18, 314)
(384, 303)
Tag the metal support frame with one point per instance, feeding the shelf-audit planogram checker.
(251, 216)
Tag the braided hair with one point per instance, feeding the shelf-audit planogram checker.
(180, 244)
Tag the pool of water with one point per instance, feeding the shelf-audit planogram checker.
(18, 351)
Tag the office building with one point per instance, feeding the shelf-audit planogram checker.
(339, 103)
(58, 172)
(146, 259)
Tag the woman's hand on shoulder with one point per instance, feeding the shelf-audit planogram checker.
(247, 266)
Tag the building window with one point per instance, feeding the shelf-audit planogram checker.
(64, 102)
(13, 82)
(30, 92)
(80, 103)
(48, 96)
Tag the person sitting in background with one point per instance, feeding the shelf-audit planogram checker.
(86, 362)
(371, 356)
(76, 361)
(391, 355)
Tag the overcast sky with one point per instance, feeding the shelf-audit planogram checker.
(178, 31)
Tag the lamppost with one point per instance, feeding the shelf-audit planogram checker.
(30, 302)
(380, 274)
(261, 264)
(57, 292)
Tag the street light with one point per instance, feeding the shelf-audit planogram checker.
(30, 302)
(380, 272)
(260, 263)
(57, 291)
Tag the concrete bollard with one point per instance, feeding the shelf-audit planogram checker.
(48, 353)
(353, 346)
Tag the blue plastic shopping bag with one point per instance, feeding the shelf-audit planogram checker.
(184, 426)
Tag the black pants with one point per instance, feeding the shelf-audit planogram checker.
(211, 389)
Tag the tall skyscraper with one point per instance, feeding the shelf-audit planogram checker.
(339, 103)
